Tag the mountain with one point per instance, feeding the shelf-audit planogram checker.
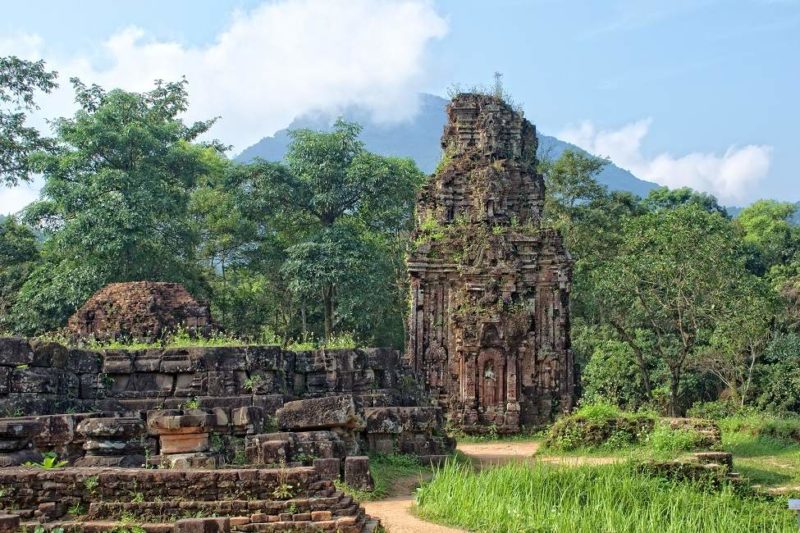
(419, 139)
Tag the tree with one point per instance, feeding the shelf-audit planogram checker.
(19, 81)
(768, 230)
(667, 287)
(18, 255)
(740, 336)
(570, 186)
(666, 198)
(115, 200)
(332, 197)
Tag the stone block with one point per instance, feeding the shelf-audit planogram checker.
(91, 387)
(178, 360)
(15, 351)
(33, 380)
(55, 431)
(223, 358)
(184, 461)
(186, 443)
(19, 457)
(222, 420)
(9, 523)
(13, 445)
(328, 468)
(220, 383)
(117, 362)
(111, 428)
(357, 474)
(19, 428)
(152, 382)
(264, 358)
(320, 413)
(83, 361)
(247, 420)
(193, 384)
(402, 419)
(114, 447)
(202, 525)
(49, 354)
(147, 361)
(107, 461)
(5, 380)
(176, 422)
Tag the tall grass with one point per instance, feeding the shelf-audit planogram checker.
(536, 497)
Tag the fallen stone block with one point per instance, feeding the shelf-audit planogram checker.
(320, 413)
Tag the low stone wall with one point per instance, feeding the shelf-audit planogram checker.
(297, 499)
(47, 378)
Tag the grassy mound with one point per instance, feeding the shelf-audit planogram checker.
(599, 426)
(540, 497)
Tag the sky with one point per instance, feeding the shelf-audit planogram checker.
(701, 93)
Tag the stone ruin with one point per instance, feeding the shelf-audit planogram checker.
(139, 310)
(489, 324)
(236, 438)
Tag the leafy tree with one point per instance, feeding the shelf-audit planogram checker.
(571, 185)
(667, 287)
(333, 197)
(18, 255)
(740, 336)
(778, 375)
(611, 373)
(115, 200)
(19, 81)
(769, 232)
(666, 198)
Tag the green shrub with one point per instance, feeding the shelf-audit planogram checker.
(599, 426)
(540, 497)
(714, 410)
(666, 439)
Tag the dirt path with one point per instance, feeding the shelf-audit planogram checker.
(395, 512)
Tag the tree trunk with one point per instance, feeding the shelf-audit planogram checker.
(674, 388)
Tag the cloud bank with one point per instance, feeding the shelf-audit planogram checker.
(270, 64)
(731, 176)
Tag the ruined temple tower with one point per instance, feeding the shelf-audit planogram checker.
(489, 324)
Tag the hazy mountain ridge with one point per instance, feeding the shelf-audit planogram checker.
(419, 139)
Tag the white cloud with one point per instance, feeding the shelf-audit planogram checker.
(731, 176)
(271, 64)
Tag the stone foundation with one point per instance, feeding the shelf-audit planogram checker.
(296, 499)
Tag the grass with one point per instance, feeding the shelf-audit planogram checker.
(182, 338)
(385, 470)
(763, 449)
(528, 497)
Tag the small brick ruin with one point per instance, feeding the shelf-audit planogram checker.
(489, 323)
(139, 310)
(136, 418)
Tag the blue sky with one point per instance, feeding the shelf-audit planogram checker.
(701, 93)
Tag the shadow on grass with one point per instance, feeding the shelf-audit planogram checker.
(764, 476)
